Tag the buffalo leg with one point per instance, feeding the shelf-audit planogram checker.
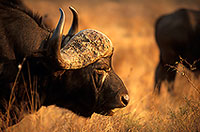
(159, 77)
(170, 79)
(163, 73)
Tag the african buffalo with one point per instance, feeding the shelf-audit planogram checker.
(177, 35)
(72, 71)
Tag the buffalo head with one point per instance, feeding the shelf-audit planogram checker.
(83, 78)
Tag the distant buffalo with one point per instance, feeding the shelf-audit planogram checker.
(72, 71)
(177, 35)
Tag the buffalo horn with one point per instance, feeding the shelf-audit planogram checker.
(55, 41)
(74, 28)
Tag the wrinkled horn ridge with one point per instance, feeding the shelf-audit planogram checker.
(85, 48)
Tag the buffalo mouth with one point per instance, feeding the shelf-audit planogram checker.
(110, 112)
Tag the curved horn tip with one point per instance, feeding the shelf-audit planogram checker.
(72, 9)
(61, 11)
(74, 27)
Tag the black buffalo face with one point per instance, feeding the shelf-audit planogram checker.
(95, 88)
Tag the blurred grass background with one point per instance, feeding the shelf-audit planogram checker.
(130, 26)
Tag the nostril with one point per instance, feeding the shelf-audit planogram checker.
(125, 99)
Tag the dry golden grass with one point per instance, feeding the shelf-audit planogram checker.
(185, 118)
(130, 25)
(14, 113)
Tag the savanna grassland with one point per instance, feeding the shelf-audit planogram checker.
(130, 26)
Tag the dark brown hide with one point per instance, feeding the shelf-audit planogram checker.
(177, 34)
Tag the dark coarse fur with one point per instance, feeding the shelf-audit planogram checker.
(16, 18)
(23, 38)
(177, 35)
(18, 4)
